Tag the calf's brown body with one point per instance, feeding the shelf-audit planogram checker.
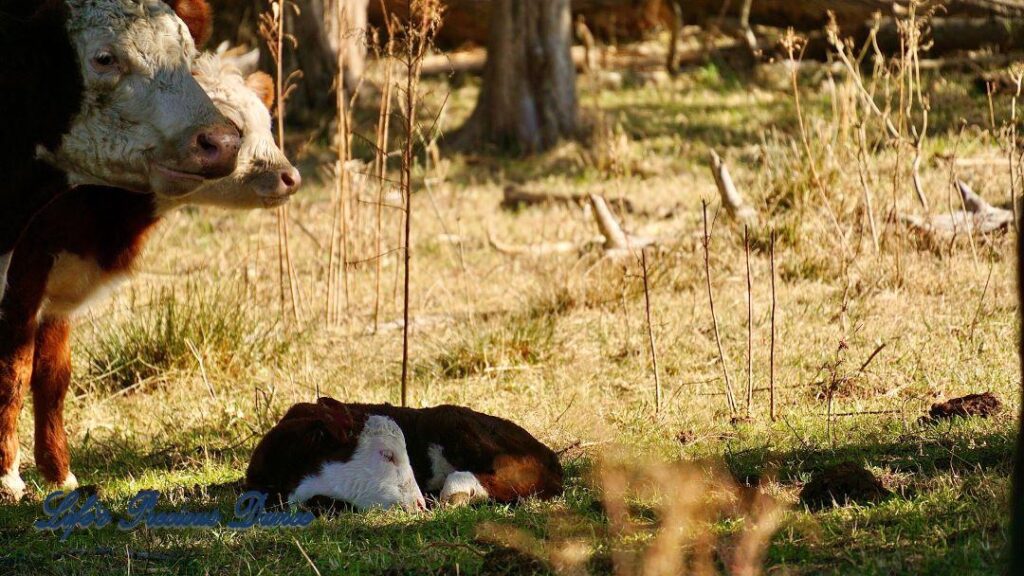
(506, 459)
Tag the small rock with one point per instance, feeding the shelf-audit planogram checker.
(846, 482)
(982, 405)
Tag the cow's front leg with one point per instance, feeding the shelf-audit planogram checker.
(51, 376)
(16, 345)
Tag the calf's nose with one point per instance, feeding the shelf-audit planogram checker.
(289, 182)
(215, 149)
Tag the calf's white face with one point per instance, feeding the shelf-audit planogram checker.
(377, 476)
(263, 177)
(144, 122)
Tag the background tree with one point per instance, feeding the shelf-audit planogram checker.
(528, 98)
(318, 34)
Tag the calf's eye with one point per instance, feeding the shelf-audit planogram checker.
(388, 455)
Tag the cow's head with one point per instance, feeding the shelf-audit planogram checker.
(263, 178)
(145, 124)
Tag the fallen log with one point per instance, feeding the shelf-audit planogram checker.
(732, 200)
(614, 241)
(978, 217)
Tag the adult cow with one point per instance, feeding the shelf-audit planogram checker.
(85, 242)
(100, 92)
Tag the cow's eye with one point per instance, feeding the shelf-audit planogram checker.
(104, 61)
(388, 455)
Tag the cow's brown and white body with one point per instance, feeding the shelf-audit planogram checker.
(456, 454)
(83, 244)
(101, 92)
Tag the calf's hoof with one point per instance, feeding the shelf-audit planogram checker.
(461, 488)
(458, 499)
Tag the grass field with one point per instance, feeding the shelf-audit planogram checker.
(178, 375)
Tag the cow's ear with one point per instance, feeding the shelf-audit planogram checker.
(263, 85)
(196, 14)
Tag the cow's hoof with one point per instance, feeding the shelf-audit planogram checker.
(70, 483)
(12, 488)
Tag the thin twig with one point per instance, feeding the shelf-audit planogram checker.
(714, 317)
(771, 357)
(750, 324)
(650, 334)
(306, 556)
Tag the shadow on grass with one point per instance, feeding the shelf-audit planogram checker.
(931, 454)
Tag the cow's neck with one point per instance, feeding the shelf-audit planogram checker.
(40, 93)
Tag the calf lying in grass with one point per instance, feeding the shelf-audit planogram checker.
(339, 450)
(85, 242)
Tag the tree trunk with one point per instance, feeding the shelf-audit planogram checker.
(314, 56)
(350, 36)
(319, 36)
(528, 99)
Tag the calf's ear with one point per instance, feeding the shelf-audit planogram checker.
(263, 85)
(196, 14)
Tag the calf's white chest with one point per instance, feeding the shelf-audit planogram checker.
(75, 283)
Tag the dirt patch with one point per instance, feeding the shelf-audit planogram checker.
(510, 562)
(981, 405)
(848, 482)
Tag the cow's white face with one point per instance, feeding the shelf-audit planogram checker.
(263, 178)
(145, 124)
(378, 475)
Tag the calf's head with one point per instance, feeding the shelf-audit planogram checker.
(263, 177)
(379, 474)
(144, 123)
(342, 454)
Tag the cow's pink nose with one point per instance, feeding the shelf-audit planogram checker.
(290, 182)
(215, 149)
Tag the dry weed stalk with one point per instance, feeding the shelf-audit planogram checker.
(771, 354)
(339, 249)
(750, 324)
(381, 163)
(422, 24)
(730, 397)
(794, 46)
(650, 332)
(272, 31)
(862, 172)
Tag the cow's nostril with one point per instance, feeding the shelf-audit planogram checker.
(214, 150)
(207, 145)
